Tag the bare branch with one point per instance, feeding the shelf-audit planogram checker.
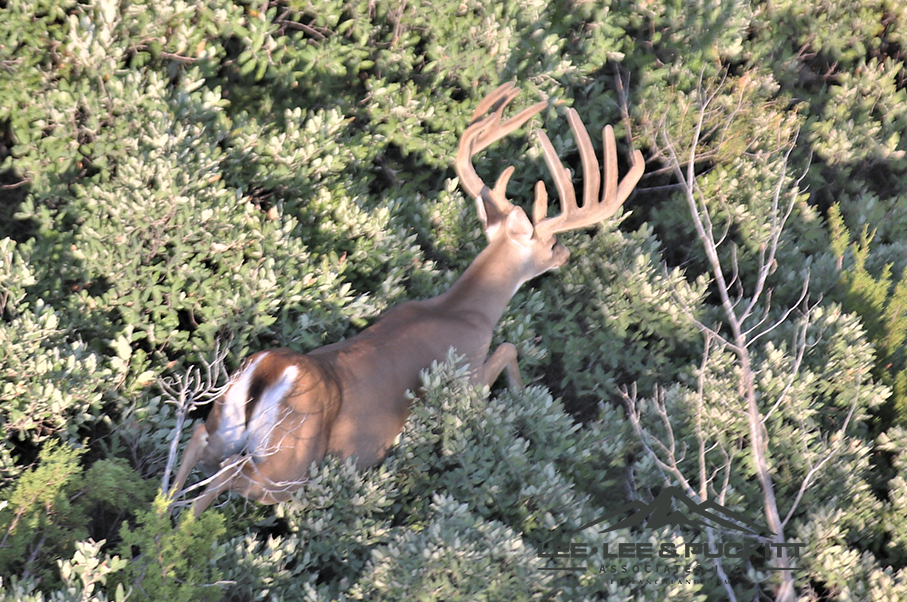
(700, 402)
(189, 391)
(736, 306)
(688, 312)
(804, 292)
(836, 446)
(767, 262)
(701, 220)
(719, 568)
(669, 466)
(799, 344)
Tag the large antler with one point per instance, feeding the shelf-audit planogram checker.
(592, 211)
(484, 130)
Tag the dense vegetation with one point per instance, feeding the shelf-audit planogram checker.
(180, 178)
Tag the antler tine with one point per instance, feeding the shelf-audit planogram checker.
(487, 129)
(592, 211)
(609, 169)
(490, 100)
(500, 130)
(591, 179)
(562, 182)
(637, 168)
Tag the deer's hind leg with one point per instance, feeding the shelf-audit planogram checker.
(266, 480)
(277, 462)
(271, 424)
(241, 474)
(193, 454)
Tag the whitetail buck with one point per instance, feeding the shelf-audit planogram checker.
(284, 410)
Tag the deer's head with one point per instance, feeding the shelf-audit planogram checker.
(506, 224)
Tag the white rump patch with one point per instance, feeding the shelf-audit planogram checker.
(269, 413)
(232, 426)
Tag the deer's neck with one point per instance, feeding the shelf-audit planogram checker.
(488, 284)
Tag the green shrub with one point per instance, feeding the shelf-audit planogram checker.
(167, 562)
(177, 178)
(58, 504)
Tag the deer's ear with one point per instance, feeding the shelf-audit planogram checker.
(492, 218)
(519, 228)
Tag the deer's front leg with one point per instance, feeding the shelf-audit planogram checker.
(504, 357)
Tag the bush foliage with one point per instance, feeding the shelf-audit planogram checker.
(179, 177)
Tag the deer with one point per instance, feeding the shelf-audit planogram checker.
(283, 410)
